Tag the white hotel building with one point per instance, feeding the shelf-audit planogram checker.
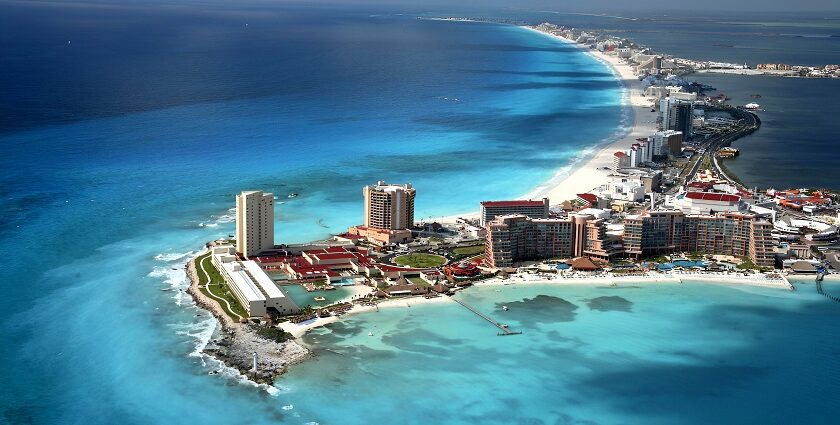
(249, 283)
(254, 222)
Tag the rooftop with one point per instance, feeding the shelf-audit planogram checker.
(710, 196)
(514, 203)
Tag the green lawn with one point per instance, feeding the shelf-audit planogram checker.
(218, 288)
(420, 260)
(468, 251)
(418, 281)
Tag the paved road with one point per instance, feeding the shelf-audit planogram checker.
(750, 123)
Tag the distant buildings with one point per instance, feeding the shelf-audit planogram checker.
(676, 114)
(249, 283)
(667, 142)
(254, 222)
(773, 66)
(530, 208)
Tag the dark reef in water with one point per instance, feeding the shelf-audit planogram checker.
(540, 309)
(612, 303)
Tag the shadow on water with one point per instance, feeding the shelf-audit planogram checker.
(613, 303)
(540, 309)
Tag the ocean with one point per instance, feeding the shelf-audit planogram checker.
(126, 130)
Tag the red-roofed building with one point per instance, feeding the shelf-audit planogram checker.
(588, 199)
(707, 202)
(462, 269)
(620, 160)
(530, 208)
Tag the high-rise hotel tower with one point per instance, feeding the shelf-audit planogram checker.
(389, 206)
(254, 222)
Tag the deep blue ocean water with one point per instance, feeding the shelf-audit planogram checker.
(121, 152)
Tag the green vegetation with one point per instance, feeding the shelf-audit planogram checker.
(217, 288)
(418, 281)
(695, 256)
(468, 251)
(420, 260)
(746, 264)
(273, 334)
(707, 163)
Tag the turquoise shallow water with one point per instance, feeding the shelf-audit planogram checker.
(120, 156)
(647, 354)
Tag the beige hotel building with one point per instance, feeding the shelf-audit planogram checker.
(254, 222)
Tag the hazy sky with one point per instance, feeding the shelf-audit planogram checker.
(702, 6)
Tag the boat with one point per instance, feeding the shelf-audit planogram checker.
(320, 298)
(293, 195)
(751, 105)
(370, 333)
(505, 308)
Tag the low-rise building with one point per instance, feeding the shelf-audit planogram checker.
(250, 284)
(707, 202)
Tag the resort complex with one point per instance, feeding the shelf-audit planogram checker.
(657, 205)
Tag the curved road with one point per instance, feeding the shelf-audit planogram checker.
(206, 275)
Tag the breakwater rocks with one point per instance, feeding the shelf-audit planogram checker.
(238, 342)
(236, 349)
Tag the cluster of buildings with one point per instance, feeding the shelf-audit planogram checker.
(517, 237)
(250, 284)
(647, 62)
(826, 71)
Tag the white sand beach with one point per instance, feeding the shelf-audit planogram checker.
(299, 329)
(587, 173)
(731, 279)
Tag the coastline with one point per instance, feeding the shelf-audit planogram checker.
(583, 173)
(237, 343)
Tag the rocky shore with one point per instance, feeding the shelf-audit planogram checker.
(238, 342)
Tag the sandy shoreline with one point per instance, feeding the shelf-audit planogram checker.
(583, 174)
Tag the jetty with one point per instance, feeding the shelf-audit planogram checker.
(819, 281)
(505, 331)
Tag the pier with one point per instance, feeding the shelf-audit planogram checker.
(819, 281)
(505, 331)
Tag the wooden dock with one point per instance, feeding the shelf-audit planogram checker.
(505, 331)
